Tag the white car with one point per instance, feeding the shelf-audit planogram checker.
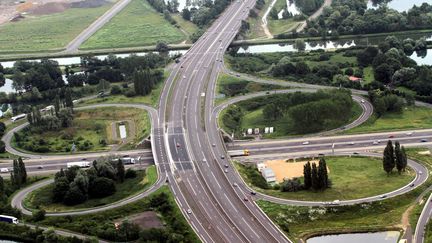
(351, 143)
(189, 211)
(409, 133)
(362, 101)
(4, 170)
(235, 184)
(305, 143)
(375, 142)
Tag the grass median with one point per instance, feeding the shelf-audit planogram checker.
(351, 178)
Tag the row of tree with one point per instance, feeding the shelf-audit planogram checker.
(18, 173)
(394, 156)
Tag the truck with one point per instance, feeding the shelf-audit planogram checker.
(8, 219)
(127, 160)
(18, 117)
(81, 164)
(237, 153)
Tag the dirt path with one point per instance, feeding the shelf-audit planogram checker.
(264, 20)
(315, 15)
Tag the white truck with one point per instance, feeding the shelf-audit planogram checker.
(81, 164)
(8, 219)
(237, 153)
(18, 117)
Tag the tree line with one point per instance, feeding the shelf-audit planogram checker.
(315, 177)
(394, 156)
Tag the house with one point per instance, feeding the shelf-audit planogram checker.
(268, 175)
(261, 166)
(355, 79)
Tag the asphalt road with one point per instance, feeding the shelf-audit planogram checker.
(95, 26)
(423, 220)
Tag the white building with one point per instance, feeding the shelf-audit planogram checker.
(261, 166)
(268, 175)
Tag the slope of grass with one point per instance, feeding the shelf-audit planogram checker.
(136, 25)
(346, 174)
(409, 118)
(47, 32)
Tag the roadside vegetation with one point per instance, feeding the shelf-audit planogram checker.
(49, 197)
(89, 130)
(137, 25)
(345, 174)
(290, 114)
(50, 32)
(175, 229)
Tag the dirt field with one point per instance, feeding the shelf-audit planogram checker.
(145, 220)
(12, 10)
(290, 170)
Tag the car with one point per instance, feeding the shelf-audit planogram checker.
(177, 145)
(226, 165)
(222, 157)
(412, 185)
(220, 40)
(167, 180)
(214, 145)
(237, 75)
(253, 193)
(4, 170)
(40, 167)
(409, 133)
(335, 202)
(351, 143)
(362, 101)
(305, 143)
(420, 172)
(424, 140)
(221, 48)
(181, 66)
(320, 154)
(356, 153)
(391, 136)
(177, 60)
(383, 196)
(235, 184)
(245, 199)
(189, 211)
(184, 76)
(226, 170)
(375, 142)
(84, 159)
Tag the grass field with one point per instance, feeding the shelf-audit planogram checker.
(409, 118)
(91, 223)
(42, 197)
(352, 178)
(47, 32)
(136, 25)
(280, 26)
(186, 26)
(91, 125)
(256, 30)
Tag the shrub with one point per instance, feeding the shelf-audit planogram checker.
(38, 215)
(115, 89)
(102, 187)
(130, 173)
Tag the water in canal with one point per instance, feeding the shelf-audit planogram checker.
(377, 237)
(401, 5)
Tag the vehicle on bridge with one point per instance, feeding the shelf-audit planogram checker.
(18, 117)
(237, 153)
(8, 219)
(81, 164)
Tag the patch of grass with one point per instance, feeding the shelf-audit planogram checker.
(428, 232)
(256, 30)
(89, 127)
(96, 224)
(185, 25)
(136, 25)
(43, 196)
(7, 155)
(47, 32)
(346, 175)
(409, 118)
(280, 26)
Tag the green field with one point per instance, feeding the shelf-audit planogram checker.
(89, 126)
(42, 197)
(256, 30)
(136, 25)
(47, 32)
(409, 118)
(280, 26)
(352, 178)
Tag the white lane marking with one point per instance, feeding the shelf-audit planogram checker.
(232, 205)
(191, 186)
(215, 179)
(253, 231)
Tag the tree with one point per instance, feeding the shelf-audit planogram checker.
(2, 147)
(323, 174)
(388, 158)
(61, 187)
(186, 14)
(2, 189)
(300, 45)
(74, 196)
(120, 171)
(399, 157)
(404, 158)
(102, 187)
(307, 174)
(68, 98)
(274, 14)
(103, 85)
(314, 181)
(115, 90)
(23, 171)
(2, 129)
(272, 112)
(38, 215)
(162, 47)
(383, 73)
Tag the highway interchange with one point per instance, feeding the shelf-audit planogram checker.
(191, 157)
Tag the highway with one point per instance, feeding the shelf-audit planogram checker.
(423, 220)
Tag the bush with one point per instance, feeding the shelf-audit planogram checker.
(38, 215)
(130, 173)
(130, 93)
(115, 89)
(102, 187)
(2, 147)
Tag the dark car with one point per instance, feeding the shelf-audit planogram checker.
(253, 193)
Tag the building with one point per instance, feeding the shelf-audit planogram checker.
(261, 166)
(268, 175)
(355, 79)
